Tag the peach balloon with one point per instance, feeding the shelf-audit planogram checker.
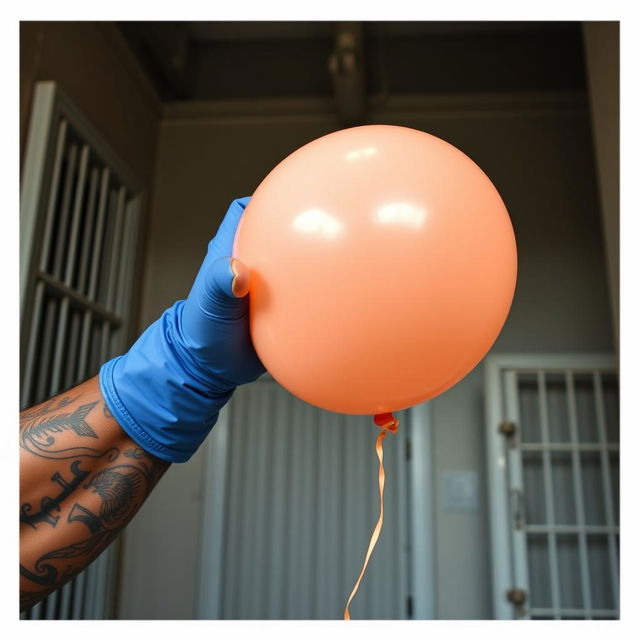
(382, 268)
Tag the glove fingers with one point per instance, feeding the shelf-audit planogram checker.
(215, 322)
(223, 241)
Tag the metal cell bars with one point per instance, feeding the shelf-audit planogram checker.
(80, 304)
(83, 274)
(563, 560)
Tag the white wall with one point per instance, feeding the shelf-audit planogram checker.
(538, 152)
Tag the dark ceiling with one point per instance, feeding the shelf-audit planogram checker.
(214, 60)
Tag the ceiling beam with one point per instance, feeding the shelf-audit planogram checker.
(167, 48)
(346, 65)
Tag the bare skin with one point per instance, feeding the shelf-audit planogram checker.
(82, 479)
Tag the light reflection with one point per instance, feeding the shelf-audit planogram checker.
(360, 153)
(316, 221)
(403, 213)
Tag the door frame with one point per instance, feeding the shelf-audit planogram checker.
(211, 542)
(421, 575)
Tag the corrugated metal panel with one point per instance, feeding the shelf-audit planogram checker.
(302, 501)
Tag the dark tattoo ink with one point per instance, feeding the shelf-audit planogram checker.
(92, 547)
(48, 504)
(52, 432)
(86, 516)
(117, 490)
(46, 574)
(47, 407)
(135, 453)
(37, 436)
(106, 411)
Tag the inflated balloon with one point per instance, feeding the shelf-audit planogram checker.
(382, 268)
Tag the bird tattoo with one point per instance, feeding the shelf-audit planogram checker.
(117, 490)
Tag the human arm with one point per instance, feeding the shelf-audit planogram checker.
(82, 479)
(160, 400)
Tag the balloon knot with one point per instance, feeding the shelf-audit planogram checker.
(387, 422)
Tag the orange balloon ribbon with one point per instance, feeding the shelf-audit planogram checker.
(387, 424)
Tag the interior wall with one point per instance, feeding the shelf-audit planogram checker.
(93, 67)
(538, 152)
(539, 156)
(97, 72)
(602, 53)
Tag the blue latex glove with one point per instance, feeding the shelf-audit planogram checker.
(167, 391)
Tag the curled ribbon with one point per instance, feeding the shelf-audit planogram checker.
(387, 424)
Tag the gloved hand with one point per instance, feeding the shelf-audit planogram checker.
(167, 391)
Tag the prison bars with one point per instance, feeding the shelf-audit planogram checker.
(81, 288)
(551, 529)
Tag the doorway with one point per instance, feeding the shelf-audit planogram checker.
(286, 537)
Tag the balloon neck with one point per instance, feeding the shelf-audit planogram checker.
(387, 422)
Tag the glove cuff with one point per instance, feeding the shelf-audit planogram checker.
(155, 399)
(126, 420)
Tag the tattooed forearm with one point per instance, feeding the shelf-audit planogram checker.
(46, 435)
(48, 505)
(46, 407)
(75, 498)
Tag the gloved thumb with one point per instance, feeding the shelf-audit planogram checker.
(240, 282)
(221, 289)
(214, 323)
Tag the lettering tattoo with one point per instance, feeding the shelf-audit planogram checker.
(47, 504)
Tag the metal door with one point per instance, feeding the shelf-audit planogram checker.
(553, 439)
(300, 502)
